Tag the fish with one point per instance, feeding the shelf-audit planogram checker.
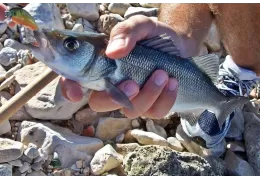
(80, 56)
(22, 17)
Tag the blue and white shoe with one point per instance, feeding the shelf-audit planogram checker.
(202, 127)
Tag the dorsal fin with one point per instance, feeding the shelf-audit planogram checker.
(162, 43)
(209, 64)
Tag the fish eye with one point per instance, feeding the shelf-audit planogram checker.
(71, 44)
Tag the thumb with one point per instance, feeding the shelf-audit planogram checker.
(124, 35)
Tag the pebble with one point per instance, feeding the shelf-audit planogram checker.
(124, 149)
(27, 159)
(236, 146)
(135, 124)
(1, 46)
(175, 144)
(67, 172)
(132, 11)
(151, 127)
(16, 163)
(118, 8)
(31, 152)
(107, 21)
(69, 24)
(26, 166)
(86, 171)
(5, 127)
(104, 160)
(88, 11)
(25, 57)
(78, 28)
(37, 166)
(3, 27)
(57, 173)
(10, 150)
(7, 82)
(87, 116)
(89, 131)
(129, 138)
(120, 138)
(148, 138)
(79, 164)
(5, 170)
(36, 173)
(150, 5)
(74, 167)
(14, 44)
(3, 38)
(8, 56)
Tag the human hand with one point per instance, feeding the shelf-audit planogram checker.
(3, 8)
(157, 96)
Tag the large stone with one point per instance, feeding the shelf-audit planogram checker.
(48, 137)
(10, 150)
(46, 15)
(105, 159)
(49, 103)
(148, 138)
(5, 170)
(8, 56)
(149, 12)
(155, 160)
(88, 11)
(109, 128)
(118, 8)
(252, 142)
(106, 22)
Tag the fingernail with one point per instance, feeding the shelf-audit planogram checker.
(116, 43)
(160, 79)
(130, 89)
(172, 85)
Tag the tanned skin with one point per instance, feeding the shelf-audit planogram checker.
(238, 25)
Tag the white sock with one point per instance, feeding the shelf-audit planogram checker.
(243, 74)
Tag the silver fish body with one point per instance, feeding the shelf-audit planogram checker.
(92, 69)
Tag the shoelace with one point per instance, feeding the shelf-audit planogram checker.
(228, 77)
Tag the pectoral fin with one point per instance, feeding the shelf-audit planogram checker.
(117, 95)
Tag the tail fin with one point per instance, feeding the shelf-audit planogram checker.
(227, 107)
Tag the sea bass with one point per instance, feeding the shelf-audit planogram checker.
(79, 56)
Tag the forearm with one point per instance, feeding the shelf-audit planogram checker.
(191, 22)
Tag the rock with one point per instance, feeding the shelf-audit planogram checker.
(87, 116)
(118, 8)
(49, 103)
(3, 27)
(104, 160)
(219, 166)
(151, 127)
(5, 170)
(124, 149)
(78, 28)
(148, 138)
(108, 128)
(238, 165)
(129, 138)
(14, 44)
(69, 24)
(150, 5)
(16, 163)
(74, 168)
(52, 138)
(46, 15)
(160, 161)
(252, 129)
(135, 124)
(87, 26)
(5, 127)
(37, 166)
(107, 21)
(66, 172)
(10, 150)
(161, 122)
(236, 146)
(120, 138)
(174, 144)
(132, 11)
(1, 46)
(26, 166)
(31, 152)
(88, 11)
(3, 38)
(27, 36)
(7, 82)
(36, 173)
(213, 39)
(21, 114)
(25, 57)
(8, 56)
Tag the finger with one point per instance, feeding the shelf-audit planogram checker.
(165, 102)
(148, 95)
(102, 102)
(71, 90)
(124, 35)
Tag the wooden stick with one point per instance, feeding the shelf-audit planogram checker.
(22, 97)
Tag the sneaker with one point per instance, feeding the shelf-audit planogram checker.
(202, 126)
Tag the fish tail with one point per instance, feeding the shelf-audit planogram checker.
(227, 107)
